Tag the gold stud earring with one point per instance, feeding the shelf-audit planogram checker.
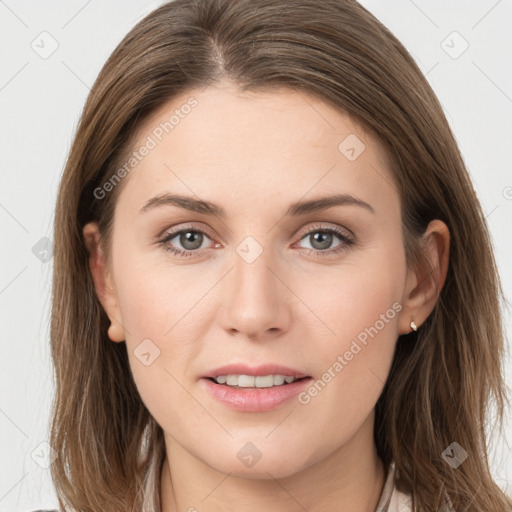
(413, 327)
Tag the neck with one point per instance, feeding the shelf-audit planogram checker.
(350, 479)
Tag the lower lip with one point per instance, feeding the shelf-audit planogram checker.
(255, 399)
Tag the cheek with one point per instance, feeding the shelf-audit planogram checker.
(355, 296)
(361, 301)
(160, 322)
(156, 300)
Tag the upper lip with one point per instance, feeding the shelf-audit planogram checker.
(263, 369)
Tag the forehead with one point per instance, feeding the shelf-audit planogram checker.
(220, 144)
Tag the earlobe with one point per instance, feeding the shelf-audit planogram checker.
(102, 279)
(425, 283)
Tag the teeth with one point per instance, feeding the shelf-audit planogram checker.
(249, 381)
(232, 380)
(244, 381)
(279, 379)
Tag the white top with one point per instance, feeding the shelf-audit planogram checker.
(394, 500)
(391, 499)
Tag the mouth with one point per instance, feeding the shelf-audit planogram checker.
(255, 389)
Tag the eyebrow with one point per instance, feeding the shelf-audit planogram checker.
(295, 209)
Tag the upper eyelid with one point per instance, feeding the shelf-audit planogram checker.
(320, 227)
(172, 233)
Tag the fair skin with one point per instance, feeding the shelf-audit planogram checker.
(254, 154)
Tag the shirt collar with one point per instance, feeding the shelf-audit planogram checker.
(387, 490)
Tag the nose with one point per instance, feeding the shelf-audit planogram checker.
(256, 301)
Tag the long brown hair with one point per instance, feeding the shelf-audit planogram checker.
(443, 378)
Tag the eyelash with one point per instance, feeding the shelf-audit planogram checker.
(348, 241)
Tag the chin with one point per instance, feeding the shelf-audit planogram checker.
(260, 464)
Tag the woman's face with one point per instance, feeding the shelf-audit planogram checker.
(316, 288)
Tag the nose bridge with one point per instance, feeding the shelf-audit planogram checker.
(252, 275)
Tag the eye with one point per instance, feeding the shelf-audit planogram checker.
(321, 238)
(191, 239)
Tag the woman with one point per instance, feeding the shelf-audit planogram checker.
(206, 359)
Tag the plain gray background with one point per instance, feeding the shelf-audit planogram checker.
(41, 97)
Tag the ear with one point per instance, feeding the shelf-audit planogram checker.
(423, 285)
(103, 280)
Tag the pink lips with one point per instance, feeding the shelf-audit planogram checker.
(255, 399)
